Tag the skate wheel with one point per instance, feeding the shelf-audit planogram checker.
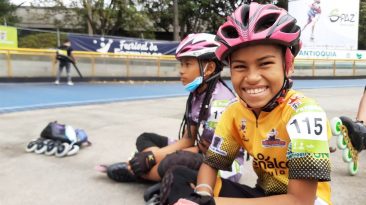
(31, 146)
(347, 155)
(335, 125)
(341, 144)
(41, 147)
(353, 168)
(51, 148)
(50, 151)
(40, 150)
(74, 149)
(62, 149)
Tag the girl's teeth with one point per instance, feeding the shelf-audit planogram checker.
(255, 90)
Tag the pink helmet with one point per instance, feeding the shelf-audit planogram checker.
(200, 45)
(257, 23)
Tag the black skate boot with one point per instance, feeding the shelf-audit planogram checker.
(119, 172)
(351, 139)
(356, 132)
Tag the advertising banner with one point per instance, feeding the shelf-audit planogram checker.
(122, 45)
(8, 37)
(307, 53)
(327, 24)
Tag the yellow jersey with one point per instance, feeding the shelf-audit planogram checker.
(290, 142)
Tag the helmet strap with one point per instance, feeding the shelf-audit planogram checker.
(287, 84)
(277, 99)
(203, 70)
(202, 73)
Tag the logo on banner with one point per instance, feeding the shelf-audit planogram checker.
(136, 47)
(8, 37)
(336, 16)
(3, 35)
(104, 46)
(318, 53)
(120, 45)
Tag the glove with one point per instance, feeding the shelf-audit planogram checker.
(142, 163)
(201, 200)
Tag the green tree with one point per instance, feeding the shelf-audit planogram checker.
(194, 16)
(40, 40)
(116, 17)
(119, 16)
(280, 3)
(7, 16)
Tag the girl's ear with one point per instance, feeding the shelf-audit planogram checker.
(211, 67)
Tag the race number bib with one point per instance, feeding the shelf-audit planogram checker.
(308, 132)
(217, 107)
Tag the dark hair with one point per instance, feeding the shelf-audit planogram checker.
(204, 111)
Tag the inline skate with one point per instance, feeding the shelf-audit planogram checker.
(59, 140)
(118, 172)
(351, 139)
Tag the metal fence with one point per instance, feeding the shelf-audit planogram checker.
(35, 63)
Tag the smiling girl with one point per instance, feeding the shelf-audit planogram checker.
(208, 95)
(284, 131)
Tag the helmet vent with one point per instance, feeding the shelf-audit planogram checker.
(291, 28)
(210, 45)
(184, 50)
(230, 32)
(265, 22)
(245, 15)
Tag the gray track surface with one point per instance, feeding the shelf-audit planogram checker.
(28, 178)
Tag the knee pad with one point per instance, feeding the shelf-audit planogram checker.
(182, 158)
(143, 141)
(146, 140)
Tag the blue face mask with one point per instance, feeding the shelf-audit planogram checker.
(192, 86)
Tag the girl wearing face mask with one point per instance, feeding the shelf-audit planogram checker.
(208, 96)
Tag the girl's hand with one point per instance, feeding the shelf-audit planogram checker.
(185, 202)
